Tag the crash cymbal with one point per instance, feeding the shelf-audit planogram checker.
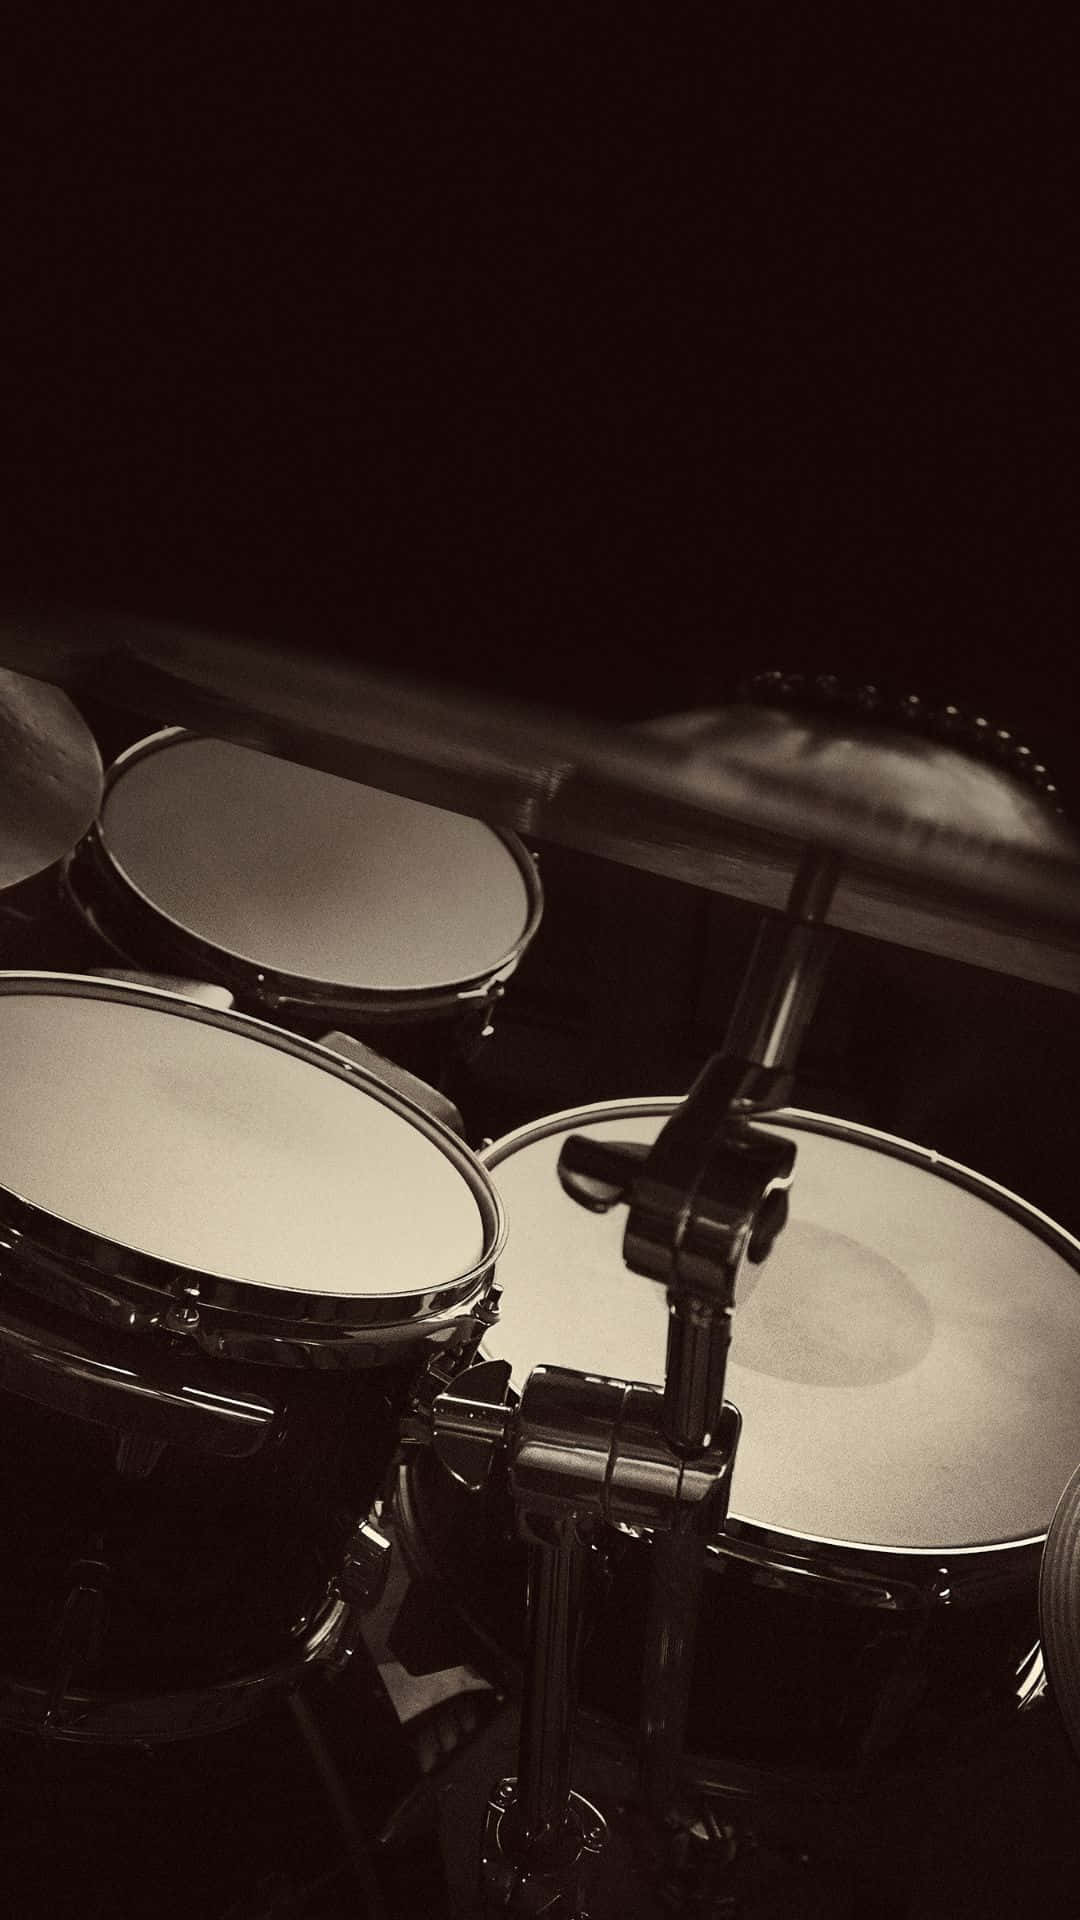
(1059, 1607)
(50, 777)
(939, 852)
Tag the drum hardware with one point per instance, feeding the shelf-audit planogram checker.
(365, 1567)
(97, 1717)
(157, 1400)
(583, 1451)
(707, 1198)
(79, 1637)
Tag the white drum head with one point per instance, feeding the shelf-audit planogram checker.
(197, 1142)
(907, 1364)
(302, 873)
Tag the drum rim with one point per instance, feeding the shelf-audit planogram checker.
(273, 985)
(132, 1276)
(786, 1542)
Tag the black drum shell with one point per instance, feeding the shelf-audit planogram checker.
(808, 1676)
(214, 1566)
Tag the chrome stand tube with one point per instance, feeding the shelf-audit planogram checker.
(552, 1654)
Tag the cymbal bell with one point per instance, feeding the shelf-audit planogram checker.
(939, 852)
(50, 777)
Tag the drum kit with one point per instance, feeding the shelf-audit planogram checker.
(723, 1434)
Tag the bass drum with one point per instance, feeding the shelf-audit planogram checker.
(908, 1371)
(317, 901)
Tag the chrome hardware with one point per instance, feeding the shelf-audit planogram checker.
(487, 1309)
(128, 1384)
(365, 1567)
(114, 1719)
(470, 1420)
(559, 1887)
(183, 1317)
(79, 1636)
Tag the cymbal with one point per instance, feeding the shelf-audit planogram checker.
(939, 852)
(1059, 1607)
(50, 777)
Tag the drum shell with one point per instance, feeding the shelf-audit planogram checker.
(816, 1670)
(214, 1566)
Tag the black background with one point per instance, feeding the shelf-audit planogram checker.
(598, 355)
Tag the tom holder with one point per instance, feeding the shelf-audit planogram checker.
(584, 1453)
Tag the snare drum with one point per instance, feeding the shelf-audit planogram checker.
(226, 1253)
(907, 1366)
(317, 901)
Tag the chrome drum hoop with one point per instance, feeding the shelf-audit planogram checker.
(129, 922)
(119, 1285)
(123, 1720)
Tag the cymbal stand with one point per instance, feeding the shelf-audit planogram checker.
(704, 1207)
(583, 1452)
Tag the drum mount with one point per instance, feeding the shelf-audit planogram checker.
(582, 1452)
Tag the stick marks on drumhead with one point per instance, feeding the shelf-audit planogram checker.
(827, 1311)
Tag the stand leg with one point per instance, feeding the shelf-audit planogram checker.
(678, 1570)
(553, 1647)
(541, 1840)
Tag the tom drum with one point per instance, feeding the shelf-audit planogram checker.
(317, 901)
(216, 1287)
(907, 1366)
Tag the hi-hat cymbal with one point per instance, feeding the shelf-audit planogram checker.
(938, 852)
(1059, 1607)
(50, 777)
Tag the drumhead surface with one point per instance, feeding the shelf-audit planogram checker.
(194, 1141)
(310, 875)
(907, 1363)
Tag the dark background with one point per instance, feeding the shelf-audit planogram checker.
(598, 356)
(590, 354)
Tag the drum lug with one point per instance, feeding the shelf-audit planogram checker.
(416, 1424)
(182, 1316)
(78, 1639)
(471, 1421)
(365, 1567)
(445, 1370)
